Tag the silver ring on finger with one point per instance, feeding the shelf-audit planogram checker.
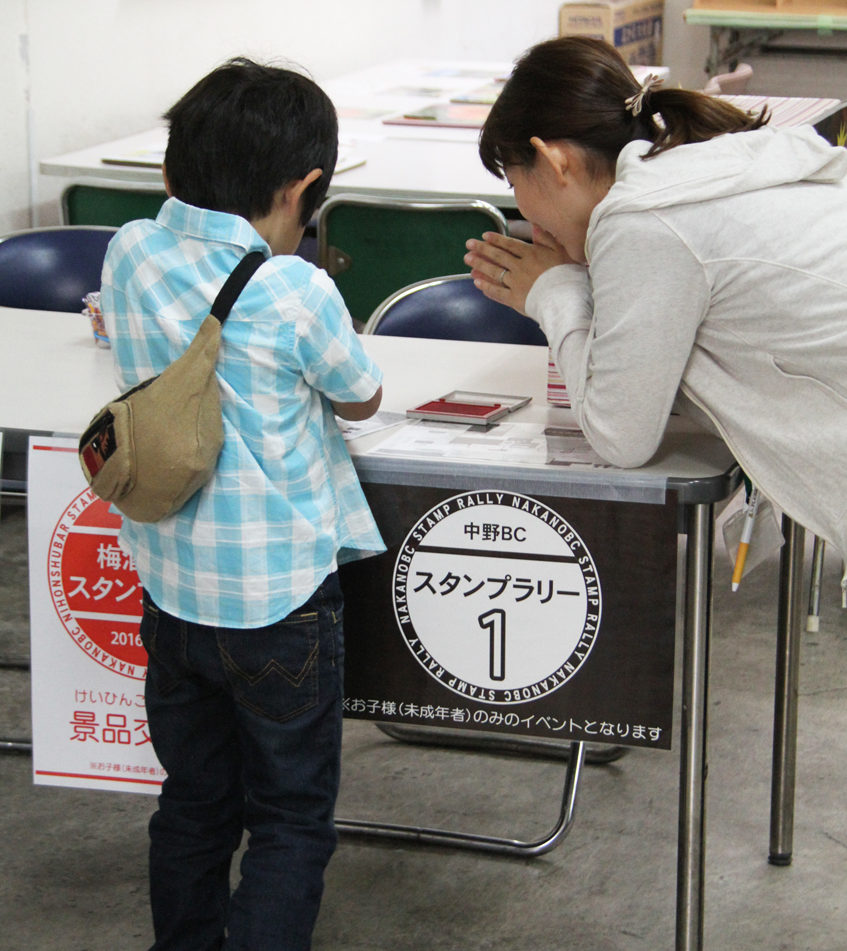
(502, 278)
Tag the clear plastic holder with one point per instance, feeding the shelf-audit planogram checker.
(93, 313)
(767, 538)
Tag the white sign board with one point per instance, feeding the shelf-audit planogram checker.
(509, 569)
(88, 666)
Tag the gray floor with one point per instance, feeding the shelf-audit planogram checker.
(73, 862)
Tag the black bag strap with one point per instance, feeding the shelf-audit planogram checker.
(235, 284)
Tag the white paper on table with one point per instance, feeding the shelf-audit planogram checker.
(353, 429)
(507, 443)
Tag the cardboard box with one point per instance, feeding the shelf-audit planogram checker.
(634, 27)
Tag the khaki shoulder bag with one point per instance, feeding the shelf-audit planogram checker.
(148, 451)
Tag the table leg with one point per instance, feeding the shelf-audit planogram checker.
(813, 616)
(10, 744)
(691, 841)
(785, 693)
(483, 843)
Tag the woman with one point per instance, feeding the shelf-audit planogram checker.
(675, 266)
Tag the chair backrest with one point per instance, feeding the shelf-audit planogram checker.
(451, 308)
(52, 268)
(111, 205)
(730, 84)
(115, 205)
(374, 246)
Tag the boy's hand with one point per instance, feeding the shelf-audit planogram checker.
(505, 269)
(359, 411)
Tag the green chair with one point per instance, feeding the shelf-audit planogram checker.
(112, 205)
(372, 247)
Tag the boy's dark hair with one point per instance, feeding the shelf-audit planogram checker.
(246, 130)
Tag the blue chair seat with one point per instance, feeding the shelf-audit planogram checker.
(451, 308)
(52, 268)
(45, 269)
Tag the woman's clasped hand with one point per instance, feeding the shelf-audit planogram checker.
(505, 269)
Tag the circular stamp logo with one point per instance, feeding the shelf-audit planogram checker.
(497, 597)
(94, 587)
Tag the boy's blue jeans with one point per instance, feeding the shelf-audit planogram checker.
(247, 724)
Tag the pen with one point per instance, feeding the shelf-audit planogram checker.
(746, 535)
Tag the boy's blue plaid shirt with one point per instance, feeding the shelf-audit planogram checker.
(255, 542)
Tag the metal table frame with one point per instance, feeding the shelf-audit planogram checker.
(696, 500)
(476, 841)
(783, 770)
(693, 765)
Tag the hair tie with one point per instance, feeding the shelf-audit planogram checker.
(635, 103)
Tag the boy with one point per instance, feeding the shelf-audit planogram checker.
(242, 608)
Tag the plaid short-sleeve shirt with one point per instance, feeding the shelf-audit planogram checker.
(284, 505)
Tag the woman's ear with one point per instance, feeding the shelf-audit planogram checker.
(555, 157)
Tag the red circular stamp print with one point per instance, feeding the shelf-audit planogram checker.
(94, 587)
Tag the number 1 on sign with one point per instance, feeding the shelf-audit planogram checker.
(494, 621)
